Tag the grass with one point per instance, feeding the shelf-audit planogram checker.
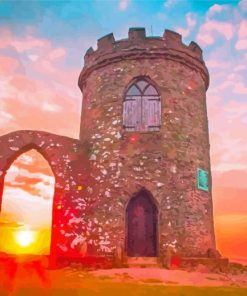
(171, 283)
(123, 289)
(155, 281)
(105, 277)
(75, 281)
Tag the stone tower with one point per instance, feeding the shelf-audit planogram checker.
(144, 127)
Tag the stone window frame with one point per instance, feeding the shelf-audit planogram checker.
(136, 123)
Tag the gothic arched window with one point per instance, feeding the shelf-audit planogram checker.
(142, 108)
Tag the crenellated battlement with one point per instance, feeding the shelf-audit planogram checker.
(139, 46)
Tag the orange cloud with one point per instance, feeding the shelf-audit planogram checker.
(8, 66)
(47, 90)
(30, 183)
(21, 44)
(30, 172)
(20, 82)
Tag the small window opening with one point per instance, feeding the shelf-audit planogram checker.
(142, 107)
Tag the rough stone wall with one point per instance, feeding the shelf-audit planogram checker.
(73, 185)
(163, 162)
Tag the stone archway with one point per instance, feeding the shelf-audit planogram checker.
(141, 226)
(27, 200)
(70, 166)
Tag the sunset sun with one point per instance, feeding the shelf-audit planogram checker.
(24, 238)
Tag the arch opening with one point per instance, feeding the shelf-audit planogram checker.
(27, 201)
(141, 226)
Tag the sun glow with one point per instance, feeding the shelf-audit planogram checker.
(25, 238)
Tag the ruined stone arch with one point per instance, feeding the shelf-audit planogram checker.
(15, 144)
(15, 154)
(69, 165)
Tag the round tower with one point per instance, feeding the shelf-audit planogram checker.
(144, 126)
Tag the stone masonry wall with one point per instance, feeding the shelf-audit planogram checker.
(163, 162)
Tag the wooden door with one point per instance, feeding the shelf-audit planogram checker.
(141, 216)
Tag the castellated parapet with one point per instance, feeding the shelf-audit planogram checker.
(161, 164)
(138, 46)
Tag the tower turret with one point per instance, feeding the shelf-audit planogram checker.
(144, 123)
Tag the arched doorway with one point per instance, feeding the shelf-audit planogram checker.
(141, 226)
(26, 213)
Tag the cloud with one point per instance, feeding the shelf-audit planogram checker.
(213, 63)
(234, 179)
(226, 167)
(57, 53)
(22, 44)
(209, 30)
(241, 44)
(33, 57)
(191, 22)
(227, 115)
(230, 80)
(229, 147)
(240, 88)
(46, 106)
(37, 81)
(234, 82)
(243, 5)
(123, 4)
(23, 175)
(36, 212)
(191, 19)
(25, 159)
(9, 66)
(5, 117)
(20, 82)
(242, 32)
(239, 68)
(205, 38)
(15, 171)
(183, 32)
(45, 190)
(215, 9)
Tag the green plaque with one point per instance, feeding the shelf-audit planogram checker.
(202, 179)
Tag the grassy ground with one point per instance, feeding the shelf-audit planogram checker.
(129, 289)
(59, 284)
(31, 278)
